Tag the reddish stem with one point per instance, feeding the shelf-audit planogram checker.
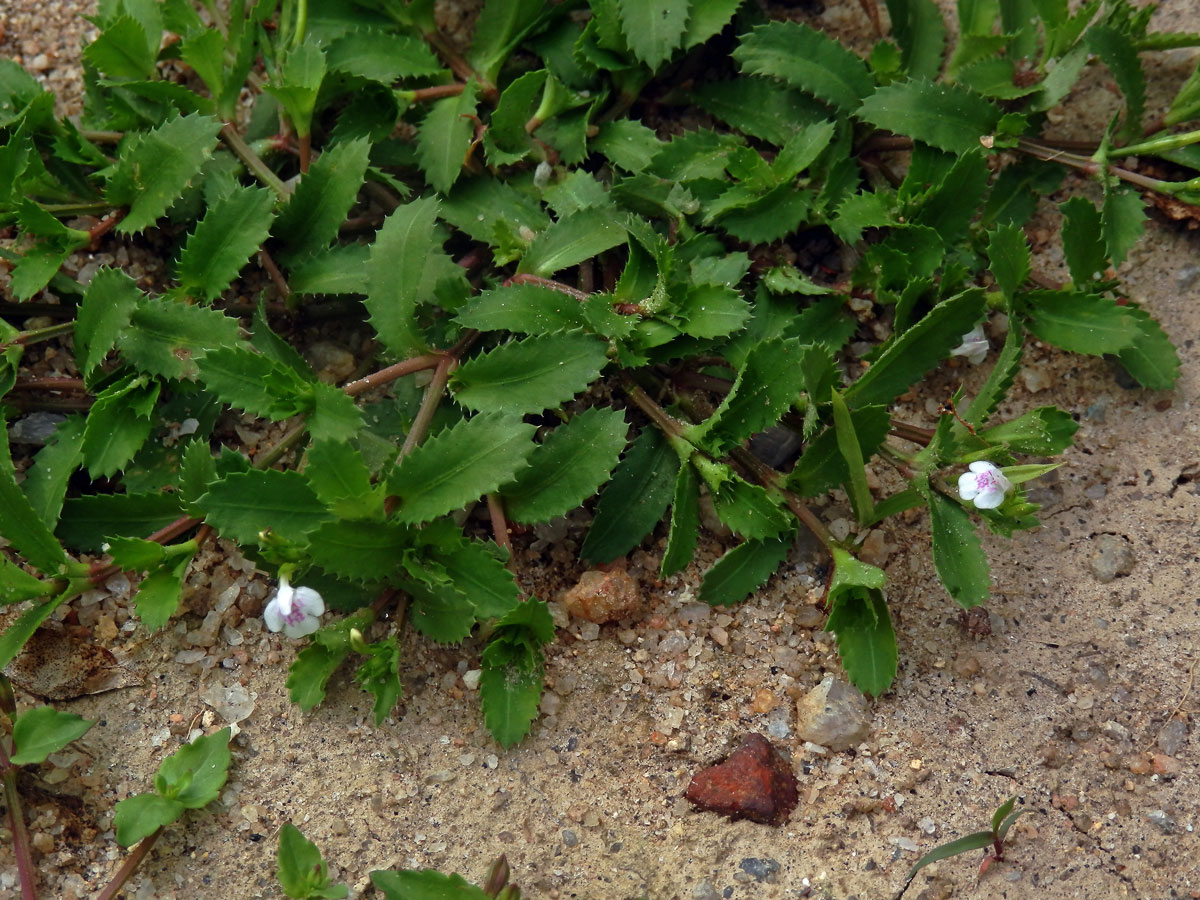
(526, 278)
(132, 861)
(22, 849)
(104, 226)
(50, 383)
(391, 373)
(305, 152)
(500, 527)
(437, 92)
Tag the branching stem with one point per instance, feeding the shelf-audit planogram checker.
(253, 161)
(22, 849)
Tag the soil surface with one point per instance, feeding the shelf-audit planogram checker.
(1076, 694)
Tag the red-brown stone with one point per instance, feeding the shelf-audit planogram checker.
(754, 782)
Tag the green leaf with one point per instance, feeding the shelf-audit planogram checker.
(1186, 104)
(459, 465)
(1153, 359)
(365, 550)
(511, 685)
(228, 235)
(866, 642)
(123, 50)
(1083, 240)
(441, 612)
(1001, 811)
(301, 870)
(242, 504)
(946, 116)
(807, 59)
(759, 107)
(445, 137)
(568, 467)
(382, 56)
(1045, 431)
(379, 676)
(478, 571)
(340, 477)
(159, 593)
(195, 773)
(634, 500)
(506, 139)
(500, 25)
(976, 841)
(848, 446)
(397, 262)
(104, 314)
(919, 30)
(253, 382)
(165, 337)
(426, 884)
(17, 585)
(20, 631)
(571, 240)
(524, 309)
(530, 375)
(628, 144)
(339, 269)
(154, 167)
(685, 522)
(118, 424)
(1000, 379)
(1122, 220)
(46, 480)
(742, 570)
(1081, 323)
(311, 671)
(43, 730)
(918, 349)
(749, 511)
(1117, 51)
(335, 415)
(858, 212)
(140, 816)
(1008, 258)
(20, 523)
(713, 310)
(822, 466)
(297, 81)
(653, 28)
(957, 552)
(766, 386)
(135, 554)
(87, 522)
(322, 199)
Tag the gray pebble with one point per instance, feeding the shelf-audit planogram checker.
(570, 838)
(1112, 556)
(761, 869)
(34, 428)
(1163, 821)
(1186, 277)
(705, 891)
(834, 715)
(1173, 736)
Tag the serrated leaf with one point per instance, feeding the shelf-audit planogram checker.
(807, 59)
(360, 549)
(951, 204)
(241, 505)
(46, 480)
(1008, 258)
(296, 82)
(571, 240)
(1083, 240)
(749, 511)
(118, 424)
(766, 386)
(319, 204)
(382, 56)
(685, 522)
(822, 465)
(1045, 431)
(1153, 359)
(459, 465)
(339, 269)
(759, 107)
(440, 612)
(141, 815)
(165, 337)
(253, 382)
(957, 553)
(510, 698)
(1117, 51)
(628, 144)
(123, 50)
(1081, 323)
(634, 499)
(919, 30)
(228, 235)
(445, 137)
(104, 314)
(394, 269)
(379, 676)
(506, 139)
(159, 593)
(38, 732)
(568, 467)
(999, 380)
(500, 23)
(852, 454)
(334, 414)
(742, 570)
(918, 349)
(154, 167)
(1122, 220)
(530, 375)
(524, 309)
(135, 554)
(427, 884)
(87, 522)
(17, 585)
(653, 28)
(713, 310)
(340, 477)
(858, 212)
(946, 116)
(477, 570)
(311, 671)
(860, 620)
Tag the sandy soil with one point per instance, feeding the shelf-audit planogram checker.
(1080, 702)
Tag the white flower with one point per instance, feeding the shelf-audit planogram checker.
(984, 484)
(294, 611)
(974, 346)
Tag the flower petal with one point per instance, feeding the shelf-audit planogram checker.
(310, 601)
(966, 486)
(989, 499)
(303, 628)
(272, 616)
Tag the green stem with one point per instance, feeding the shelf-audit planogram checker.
(301, 22)
(1157, 145)
(76, 209)
(22, 849)
(253, 161)
(132, 861)
(37, 335)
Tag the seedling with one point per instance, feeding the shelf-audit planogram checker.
(1002, 820)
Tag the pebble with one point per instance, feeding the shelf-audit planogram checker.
(331, 362)
(833, 714)
(966, 666)
(35, 428)
(233, 704)
(754, 782)
(605, 597)
(760, 869)
(1186, 277)
(1035, 379)
(570, 838)
(1173, 736)
(1112, 556)
(705, 891)
(1160, 819)
(471, 679)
